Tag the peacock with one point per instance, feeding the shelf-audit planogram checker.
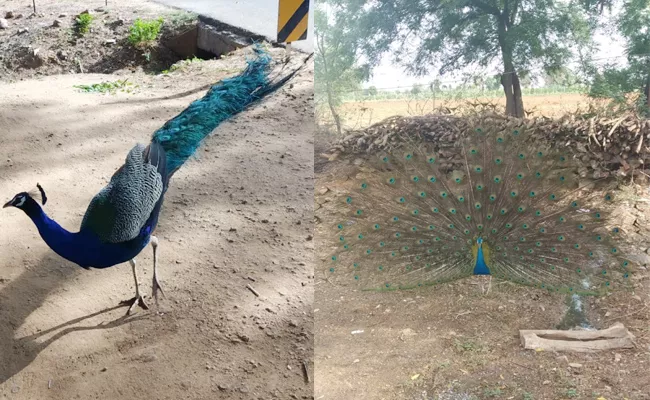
(121, 219)
(498, 203)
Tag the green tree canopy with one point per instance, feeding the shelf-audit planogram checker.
(633, 23)
(335, 69)
(517, 34)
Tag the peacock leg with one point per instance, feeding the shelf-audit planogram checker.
(138, 299)
(155, 286)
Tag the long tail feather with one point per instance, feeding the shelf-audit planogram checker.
(182, 135)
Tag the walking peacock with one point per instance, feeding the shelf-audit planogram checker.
(122, 217)
(501, 205)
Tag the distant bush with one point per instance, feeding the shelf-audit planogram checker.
(83, 22)
(143, 33)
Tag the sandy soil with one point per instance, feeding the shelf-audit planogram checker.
(460, 341)
(238, 214)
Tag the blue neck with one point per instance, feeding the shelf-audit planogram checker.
(82, 248)
(57, 238)
(481, 268)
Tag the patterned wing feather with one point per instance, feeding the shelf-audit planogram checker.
(120, 210)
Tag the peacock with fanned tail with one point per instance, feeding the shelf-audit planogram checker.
(503, 205)
(120, 220)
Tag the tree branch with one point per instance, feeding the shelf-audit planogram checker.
(486, 7)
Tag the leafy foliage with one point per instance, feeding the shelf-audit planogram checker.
(335, 62)
(455, 34)
(83, 22)
(449, 35)
(144, 33)
(625, 86)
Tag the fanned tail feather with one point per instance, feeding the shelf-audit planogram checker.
(413, 218)
(182, 135)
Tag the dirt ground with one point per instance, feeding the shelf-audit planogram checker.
(460, 341)
(46, 43)
(239, 214)
(362, 114)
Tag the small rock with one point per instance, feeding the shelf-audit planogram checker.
(222, 387)
(617, 357)
(575, 365)
(9, 14)
(110, 41)
(62, 55)
(103, 369)
(63, 15)
(407, 333)
(18, 16)
(23, 30)
(562, 359)
(546, 383)
(100, 9)
(4, 24)
(56, 23)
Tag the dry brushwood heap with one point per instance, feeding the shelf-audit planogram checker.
(604, 146)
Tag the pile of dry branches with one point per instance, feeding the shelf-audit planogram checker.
(604, 145)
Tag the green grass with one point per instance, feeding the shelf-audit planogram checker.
(144, 33)
(106, 87)
(82, 23)
(467, 346)
(496, 392)
(182, 64)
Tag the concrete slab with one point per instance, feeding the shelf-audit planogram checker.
(257, 16)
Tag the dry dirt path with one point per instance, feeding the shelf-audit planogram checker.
(238, 214)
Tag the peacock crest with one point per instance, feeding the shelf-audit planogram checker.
(499, 203)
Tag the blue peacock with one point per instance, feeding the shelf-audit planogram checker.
(500, 204)
(121, 219)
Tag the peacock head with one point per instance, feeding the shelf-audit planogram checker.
(22, 199)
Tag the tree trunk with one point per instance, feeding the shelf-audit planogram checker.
(509, 78)
(646, 91)
(512, 90)
(335, 114)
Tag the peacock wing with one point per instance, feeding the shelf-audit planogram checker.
(120, 210)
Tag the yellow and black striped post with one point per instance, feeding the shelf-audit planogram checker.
(292, 20)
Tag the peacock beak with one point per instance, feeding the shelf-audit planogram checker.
(8, 204)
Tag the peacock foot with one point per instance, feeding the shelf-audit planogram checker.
(136, 301)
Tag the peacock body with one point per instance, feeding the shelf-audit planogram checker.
(502, 204)
(122, 217)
